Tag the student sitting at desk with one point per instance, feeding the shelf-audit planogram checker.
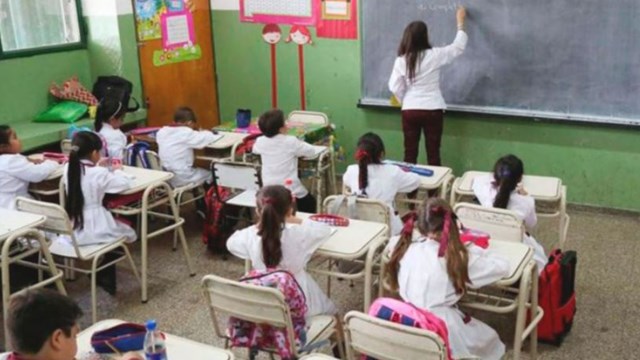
(504, 191)
(279, 153)
(282, 240)
(43, 325)
(373, 179)
(16, 170)
(176, 143)
(432, 270)
(109, 119)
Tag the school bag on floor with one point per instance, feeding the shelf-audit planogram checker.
(557, 296)
(220, 220)
(260, 336)
(404, 313)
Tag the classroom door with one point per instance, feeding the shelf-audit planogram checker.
(189, 83)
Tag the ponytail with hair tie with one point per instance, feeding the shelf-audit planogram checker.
(362, 154)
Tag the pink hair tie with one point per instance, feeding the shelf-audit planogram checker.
(409, 222)
(444, 238)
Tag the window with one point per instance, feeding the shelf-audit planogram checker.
(29, 27)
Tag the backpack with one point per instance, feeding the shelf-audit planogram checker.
(258, 336)
(220, 221)
(404, 313)
(137, 152)
(557, 296)
(115, 87)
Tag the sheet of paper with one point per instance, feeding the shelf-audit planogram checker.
(177, 30)
(336, 8)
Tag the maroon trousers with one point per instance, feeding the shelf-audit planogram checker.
(431, 123)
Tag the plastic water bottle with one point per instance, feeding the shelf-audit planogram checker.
(154, 347)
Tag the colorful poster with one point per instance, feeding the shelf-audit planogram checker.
(177, 55)
(338, 19)
(292, 12)
(148, 19)
(177, 29)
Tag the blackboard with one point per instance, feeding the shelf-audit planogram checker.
(559, 59)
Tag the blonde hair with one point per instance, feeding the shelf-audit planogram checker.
(434, 214)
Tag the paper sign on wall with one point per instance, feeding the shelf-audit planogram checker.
(336, 9)
(338, 19)
(293, 12)
(177, 29)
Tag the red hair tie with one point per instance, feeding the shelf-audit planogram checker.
(361, 154)
(409, 221)
(267, 201)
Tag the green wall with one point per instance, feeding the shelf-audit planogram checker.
(24, 82)
(600, 165)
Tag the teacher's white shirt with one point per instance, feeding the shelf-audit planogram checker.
(423, 93)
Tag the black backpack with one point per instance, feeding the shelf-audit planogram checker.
(115, 87)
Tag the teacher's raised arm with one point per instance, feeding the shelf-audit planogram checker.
(415, 82)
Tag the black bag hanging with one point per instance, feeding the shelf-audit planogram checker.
(115, 87)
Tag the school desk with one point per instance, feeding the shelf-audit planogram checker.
(549, 193)
(517, 292)
(222, 149)
(49, 186)
(156, 193)
(350, 243)
(16, 225)
(177, 347)
(440, 181)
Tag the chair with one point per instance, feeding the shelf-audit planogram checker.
(501, 224)
(58, 223)
(384, 340)
(362, 208)
(263, 305)
(308, 117)
(242, 178)
(65, 146)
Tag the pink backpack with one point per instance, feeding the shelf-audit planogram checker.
(404, 313)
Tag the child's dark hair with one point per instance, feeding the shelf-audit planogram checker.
(414, 41)
(35, 315)
(274, 203)
(109, 108)
(507, 173)
(84, 143)
(271, 122)
(183, 115)
(5, 137)
(370, 151)
(434, 214)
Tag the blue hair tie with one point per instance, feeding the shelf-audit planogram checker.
(504, 172)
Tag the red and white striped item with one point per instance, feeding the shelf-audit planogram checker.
(333, 220)
(74, 91)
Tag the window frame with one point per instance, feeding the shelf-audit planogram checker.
(82, 44)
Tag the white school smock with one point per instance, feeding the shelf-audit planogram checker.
(424, 282)
(279, 155)
(175, 149)
(423, 93)
(116, 141)
(524, 206)
(299, 242)
(385, 181)
(16, 173)
(99, 225)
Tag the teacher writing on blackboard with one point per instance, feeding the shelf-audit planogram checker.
(415, 82)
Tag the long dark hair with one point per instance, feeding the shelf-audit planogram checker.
(434, 215)
(109, 108)
(414, 41)
(83, 145)
(370, 151)
(274, 203)
(507, 173)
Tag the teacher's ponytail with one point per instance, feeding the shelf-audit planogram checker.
(370, 151)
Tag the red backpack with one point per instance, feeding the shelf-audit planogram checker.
(220, 221)
(557, 296)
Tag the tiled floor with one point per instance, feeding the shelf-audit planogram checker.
(607, 324)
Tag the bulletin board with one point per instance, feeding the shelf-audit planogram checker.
(292, 12)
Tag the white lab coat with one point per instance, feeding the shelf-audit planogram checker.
(279, 155)
(423, 93)
(299, 242)
(385, 181)
(524, 206)
(116, 141)
(99, 225)
(424, 282)
(176, 145)
(16, 173)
